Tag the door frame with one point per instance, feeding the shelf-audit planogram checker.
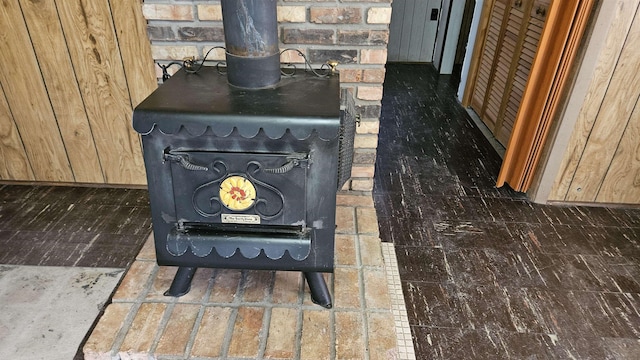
(543, 95)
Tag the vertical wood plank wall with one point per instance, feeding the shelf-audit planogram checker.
(602, 161)
(72, 72)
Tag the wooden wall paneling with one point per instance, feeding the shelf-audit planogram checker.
(622, 181)
(55, 64)
(88, 27)
(28, 100)
(135, 48)
(608, 58)
(14, 164)
(611, 121)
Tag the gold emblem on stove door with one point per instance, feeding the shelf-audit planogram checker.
(237, 193)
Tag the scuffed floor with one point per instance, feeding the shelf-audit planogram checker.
(485, 273)
(63, 250)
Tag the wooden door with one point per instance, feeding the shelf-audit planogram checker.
(74, 71)
(513, 32)
(413, 28)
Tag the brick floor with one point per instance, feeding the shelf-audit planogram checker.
(242, 314)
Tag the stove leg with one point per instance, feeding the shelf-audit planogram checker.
(319, 291)
(181, 283)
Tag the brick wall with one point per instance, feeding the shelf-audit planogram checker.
(353, 32)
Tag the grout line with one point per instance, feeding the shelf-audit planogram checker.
(194, 331)
(363, 293)
(398, 307)
(264, 332)
(162, 327)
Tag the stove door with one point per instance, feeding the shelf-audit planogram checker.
(239, 188)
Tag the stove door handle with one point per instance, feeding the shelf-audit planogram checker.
(184, 162)
(294, 161)
(284, 168)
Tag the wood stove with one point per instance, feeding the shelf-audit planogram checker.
(243, 170)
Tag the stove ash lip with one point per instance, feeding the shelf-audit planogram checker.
(249, 246)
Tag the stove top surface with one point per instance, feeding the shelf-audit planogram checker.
(301, 103)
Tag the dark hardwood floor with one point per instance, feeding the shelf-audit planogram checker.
(485, 273)
(72, 226)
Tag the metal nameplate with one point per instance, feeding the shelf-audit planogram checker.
(240, 219)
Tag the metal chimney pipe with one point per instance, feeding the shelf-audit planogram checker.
(251, 39)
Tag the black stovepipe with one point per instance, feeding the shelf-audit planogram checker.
(251, 41)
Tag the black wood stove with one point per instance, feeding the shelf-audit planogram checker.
(243, 170)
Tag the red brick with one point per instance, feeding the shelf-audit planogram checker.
(161, 282)
(286, 288)
(362, 184)
(379, 15)
(367, 220)
(134, 282)
(282, 334)
(350, 75)
(371, 250)
(335, 15)
(167, 12)
(373, 56)
(316, 335)
(349, 338)
(210, 12)
(382, 337)
(373, 75)
(346, 288)
(256, 285)
(308, 36)
(345, 250)
(376, 290)
(225, 285)
(211, 332)
(345, 223)
(104, 334)
(370, 92)
(178, 330)
(245, 340)
(143, 330)
(294, 14)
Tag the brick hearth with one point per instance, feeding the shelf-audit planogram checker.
(243, 314)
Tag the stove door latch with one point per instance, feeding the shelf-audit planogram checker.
(183, 160)
(293, 161)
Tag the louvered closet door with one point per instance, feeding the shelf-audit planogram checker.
(531, 32)
(509, 47)
(486, 69)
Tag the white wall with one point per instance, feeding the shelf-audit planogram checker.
(472, 40)
(448, 54)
